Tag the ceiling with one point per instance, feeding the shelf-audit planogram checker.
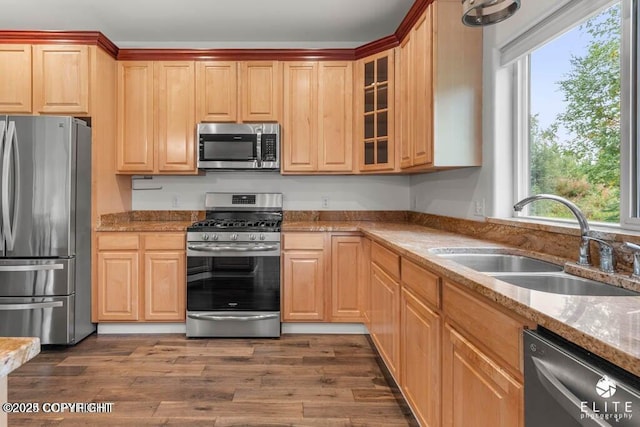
(214, 23)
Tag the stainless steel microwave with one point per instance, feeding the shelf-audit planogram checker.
(233, 146)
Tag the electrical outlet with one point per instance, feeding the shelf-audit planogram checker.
(478, 207)
(325, 202)
(175, 201)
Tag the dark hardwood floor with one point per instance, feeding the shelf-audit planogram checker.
(297, 380)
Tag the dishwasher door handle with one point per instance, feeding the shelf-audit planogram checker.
(569, 401)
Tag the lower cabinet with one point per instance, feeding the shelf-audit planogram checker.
(141, 277)
(420, 348)
(476, 389)
(385, 318)
(323, 277)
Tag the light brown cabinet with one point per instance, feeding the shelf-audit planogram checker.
(440, 92)
(317, 117)
(141, 277)
(236, 91)
(374, 112)
(385, 318)
(44, 79)
(303, 268)
(324, 277)
(156, 117)
(15, 78)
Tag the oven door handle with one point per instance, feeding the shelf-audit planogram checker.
(210, 248)
(232, 317)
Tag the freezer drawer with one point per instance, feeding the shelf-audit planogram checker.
(51, 319)
(29, 277)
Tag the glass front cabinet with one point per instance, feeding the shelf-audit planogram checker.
(375, 112)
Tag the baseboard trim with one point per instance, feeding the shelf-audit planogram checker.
(141, 328)
(324, 328)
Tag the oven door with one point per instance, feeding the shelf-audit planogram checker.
(233, 289)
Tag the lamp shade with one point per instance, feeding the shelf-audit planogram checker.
(486, 12)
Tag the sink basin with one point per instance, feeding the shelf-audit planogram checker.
(498, 263)
(563, 283)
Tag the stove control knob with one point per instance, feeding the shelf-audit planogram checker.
(252, 237)
(215, 237)
(234, 236)
(262, 237)
(205, 237)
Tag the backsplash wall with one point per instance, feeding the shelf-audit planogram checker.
(300, 192)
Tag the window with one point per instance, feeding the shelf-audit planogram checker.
(571, 112)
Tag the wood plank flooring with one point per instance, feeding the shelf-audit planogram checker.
(297, 380)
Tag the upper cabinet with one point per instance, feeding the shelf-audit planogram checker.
(44, 79)
(317, 117)
(232, 91)
(440, 92)
(156, 117)
(374, 91)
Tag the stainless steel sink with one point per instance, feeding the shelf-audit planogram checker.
(499, 262)
(563, 283)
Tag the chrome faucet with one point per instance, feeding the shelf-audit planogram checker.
(583, 257)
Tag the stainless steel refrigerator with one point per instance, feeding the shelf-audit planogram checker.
(45, 228)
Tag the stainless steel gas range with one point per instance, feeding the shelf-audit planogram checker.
(233, 267)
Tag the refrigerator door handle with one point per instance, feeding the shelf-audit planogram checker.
(41, 267)
(3, 128)
(11, 148)
(31, 306)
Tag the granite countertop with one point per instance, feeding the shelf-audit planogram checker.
(606, 326)
(15, 352)
(149, 221)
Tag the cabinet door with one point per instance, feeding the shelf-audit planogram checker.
(420, 349)
(335, 120)
(175, 116)
(346, 278)
(260, 83)
(135, 122)
(15, 78)
(300, 128)
(117, 286)
(476, 390)
(164, 286)
(376, 114)
(61, 79)
(385, 318)
(366, 283)
(422, 89)
(217, 91)
(303, 288)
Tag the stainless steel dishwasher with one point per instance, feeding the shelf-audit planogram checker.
(567, 386)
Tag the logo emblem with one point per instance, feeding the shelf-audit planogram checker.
(606, 387)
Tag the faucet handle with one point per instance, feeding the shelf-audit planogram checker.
(606, 255)
(636, 258)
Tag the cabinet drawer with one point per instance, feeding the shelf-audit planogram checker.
(386, 259)
(303, 241)
(118, 242)
(421, 282)
(496, 331)
(162, 241)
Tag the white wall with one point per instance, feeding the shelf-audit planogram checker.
(455, 193)
(300, 192)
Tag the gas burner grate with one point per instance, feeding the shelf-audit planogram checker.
(233, 223)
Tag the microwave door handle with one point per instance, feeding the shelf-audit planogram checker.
(259, 147)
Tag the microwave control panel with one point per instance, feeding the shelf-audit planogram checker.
(269, 147)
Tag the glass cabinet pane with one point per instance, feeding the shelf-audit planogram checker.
(369, 153)
(369, 73)
(369, 100)
(382, 70)
(382, 97)
(383, 152)
(369, 131)
(382, 124)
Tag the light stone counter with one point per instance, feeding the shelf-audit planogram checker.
(14, 352)
(606, 326)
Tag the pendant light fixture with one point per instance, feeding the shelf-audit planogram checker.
(486, 12)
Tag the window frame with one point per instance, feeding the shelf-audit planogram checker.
(629, 152)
